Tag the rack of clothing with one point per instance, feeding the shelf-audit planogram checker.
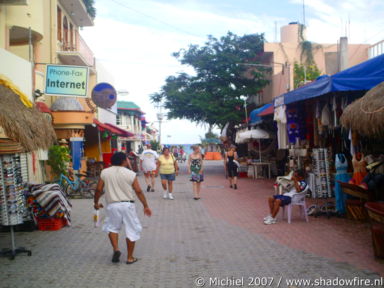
(12, 199)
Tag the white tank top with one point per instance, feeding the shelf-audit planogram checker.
(118, 182)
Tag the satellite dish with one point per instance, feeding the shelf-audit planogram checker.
(104, 95)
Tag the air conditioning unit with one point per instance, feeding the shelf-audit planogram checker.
(14, 2)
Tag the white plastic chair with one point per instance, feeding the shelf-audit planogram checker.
(298, 200)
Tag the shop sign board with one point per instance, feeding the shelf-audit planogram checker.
(63, 80)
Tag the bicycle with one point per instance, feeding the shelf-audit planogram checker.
(78, 188)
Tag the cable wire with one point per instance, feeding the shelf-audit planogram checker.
(155, 19)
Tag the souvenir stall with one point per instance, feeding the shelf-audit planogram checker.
(23, 129)
(308, 123)
(256, 164)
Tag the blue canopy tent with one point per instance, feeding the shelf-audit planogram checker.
(361, 77)
(254, 117)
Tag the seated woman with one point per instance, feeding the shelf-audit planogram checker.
(281, 200)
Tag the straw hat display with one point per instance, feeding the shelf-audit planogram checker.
(366, 115)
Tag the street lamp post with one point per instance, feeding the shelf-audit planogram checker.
(160, 118)
(244, 98)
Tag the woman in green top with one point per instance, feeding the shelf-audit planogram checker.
(195, 168)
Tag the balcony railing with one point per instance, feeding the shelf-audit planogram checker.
(79, 46)
(376, 49)
(85, 50)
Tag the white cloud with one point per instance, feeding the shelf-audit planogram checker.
(357, 19)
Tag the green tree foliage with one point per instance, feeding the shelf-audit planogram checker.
(58, 159)
(89, 4)
(302, 72)
(155, 145)
(211, 135)
(212, 94)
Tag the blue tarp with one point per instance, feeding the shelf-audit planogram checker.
(254, 119)
(361, 77)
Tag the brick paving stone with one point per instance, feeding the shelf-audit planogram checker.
(218, 236)
(338, 239)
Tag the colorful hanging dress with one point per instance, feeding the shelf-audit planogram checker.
(359, 169)
(342, 175)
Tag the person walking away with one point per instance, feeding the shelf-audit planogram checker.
(168, 169)
(277, 201)
(195, 168)
(175, 152)
(148, 165)
(230, 157)
(182, 154)
(119, 184)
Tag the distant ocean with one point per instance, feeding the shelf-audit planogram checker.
(186, 147)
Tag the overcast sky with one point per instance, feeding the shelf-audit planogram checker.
(134, 39)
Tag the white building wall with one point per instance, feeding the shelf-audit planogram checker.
(20, 74)
(106, 116)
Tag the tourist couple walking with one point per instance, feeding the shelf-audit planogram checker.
(166, 165)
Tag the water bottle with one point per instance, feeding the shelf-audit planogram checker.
(96, 218)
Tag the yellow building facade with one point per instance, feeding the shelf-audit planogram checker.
(40, 32)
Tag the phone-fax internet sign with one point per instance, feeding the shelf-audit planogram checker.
(64, 80)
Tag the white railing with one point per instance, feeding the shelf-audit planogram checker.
(376, 49)
(80, 46)
(84, 50)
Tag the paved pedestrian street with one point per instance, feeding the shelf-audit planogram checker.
(188, 243)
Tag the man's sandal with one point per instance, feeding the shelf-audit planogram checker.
(131, 262)
(116, 257)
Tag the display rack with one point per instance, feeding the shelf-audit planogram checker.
(322, 174)
(12, 200)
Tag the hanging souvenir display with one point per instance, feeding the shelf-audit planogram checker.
(12, 204)
(322, 174)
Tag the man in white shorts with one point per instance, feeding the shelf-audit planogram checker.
(148, 166)
(119, 184)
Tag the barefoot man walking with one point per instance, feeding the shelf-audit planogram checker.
(120, 184)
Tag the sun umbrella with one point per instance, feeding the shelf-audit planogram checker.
(254, 134)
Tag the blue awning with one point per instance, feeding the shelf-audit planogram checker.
(254, 118)
(361, 77)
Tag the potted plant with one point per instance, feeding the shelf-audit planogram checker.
(58, 159)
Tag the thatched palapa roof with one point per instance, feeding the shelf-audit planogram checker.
(25, 125)
(366, 115)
